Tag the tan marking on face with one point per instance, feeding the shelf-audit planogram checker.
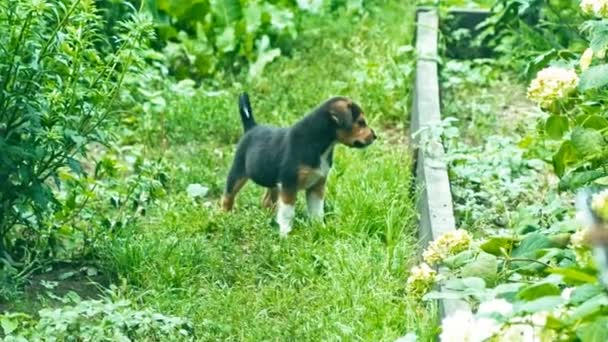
(360, 132)
(228, 198)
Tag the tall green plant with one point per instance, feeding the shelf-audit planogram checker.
(59, 81)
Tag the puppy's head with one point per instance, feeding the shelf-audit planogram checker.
(351, 126)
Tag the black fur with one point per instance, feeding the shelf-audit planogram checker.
(271, 155)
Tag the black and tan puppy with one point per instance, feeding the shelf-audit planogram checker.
(286, 160)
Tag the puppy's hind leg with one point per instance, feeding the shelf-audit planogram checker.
(270, 198)
(235, 182)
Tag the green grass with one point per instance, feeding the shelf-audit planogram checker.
(231, 274)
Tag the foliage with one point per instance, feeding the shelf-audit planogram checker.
(529, 274)
(60, 79)
(202, 38)
(94, 320)
(146, 211)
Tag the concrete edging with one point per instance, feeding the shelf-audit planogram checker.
(436, 213)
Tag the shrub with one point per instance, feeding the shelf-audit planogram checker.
(59, 80)
(94, 320)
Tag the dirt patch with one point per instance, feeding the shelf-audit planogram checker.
(45, 289)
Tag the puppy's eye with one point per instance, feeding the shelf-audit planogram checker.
(362, 123)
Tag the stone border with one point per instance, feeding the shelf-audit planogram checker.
(435, 209)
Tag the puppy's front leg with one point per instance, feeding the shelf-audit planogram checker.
(286, 211)
(314, 200)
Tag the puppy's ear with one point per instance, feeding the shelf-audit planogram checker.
(341, 113)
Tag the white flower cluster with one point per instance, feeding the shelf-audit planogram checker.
(464, 326)
(551, 84)
(577, 240)
(447, 245)
(421, 279)
(599, 204)
(595, 7)
(586, 59)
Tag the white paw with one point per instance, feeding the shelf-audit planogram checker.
(315, 207)
(285, 214)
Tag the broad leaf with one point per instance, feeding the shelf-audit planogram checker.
(592, 121)
(485, 266)
(538, 305)
(577, 179)
(538, 290)
(531, 244)
(594, 77)
(589, 308)
(8, 325)
(594, 331)
(495, 245)
(586, 141)
(584, 293)
(565, 157)
(575, 275)
(556, 126)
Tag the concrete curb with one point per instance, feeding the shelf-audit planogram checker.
(435, 204)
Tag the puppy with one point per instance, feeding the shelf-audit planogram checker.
(286, 160)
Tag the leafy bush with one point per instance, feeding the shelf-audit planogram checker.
(571, 90)
(59, 81)
(203, 37)
(94, 320)
(529, 33)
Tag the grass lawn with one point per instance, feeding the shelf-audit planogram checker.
(231, 274)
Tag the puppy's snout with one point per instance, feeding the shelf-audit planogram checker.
(371, 137)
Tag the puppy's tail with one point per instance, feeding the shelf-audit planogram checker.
(246, 112)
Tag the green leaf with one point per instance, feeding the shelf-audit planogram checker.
(540, 304)
(594, 331)
(474, 283)
(530, 245)
(585, 292)
(460, 259)
(576, 179)
(587, 141)
(589, 308)
(8, 325)
(265, 56)
(599, 38)
(494, 245)
(594, 77)
(226, 41)
(592, 121)
(75, 166)
(575, 275)
(485, 267)
(505, 289)
(538, 290)
(565, 157)
(226, 11)
(556, 126)
(445, 295)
